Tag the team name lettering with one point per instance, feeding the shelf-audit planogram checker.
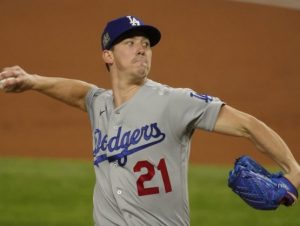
(125, 143)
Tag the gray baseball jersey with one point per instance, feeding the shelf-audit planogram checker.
(141, 151)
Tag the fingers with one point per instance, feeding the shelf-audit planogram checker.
(13, 79)
(294, 197)
(14, 71)
(289, 199)
(7, 85)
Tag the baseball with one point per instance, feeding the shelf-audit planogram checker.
(3, 81)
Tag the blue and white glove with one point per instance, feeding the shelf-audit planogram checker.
(259, 188)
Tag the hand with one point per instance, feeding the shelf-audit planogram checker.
(22, 80)
(259, 188)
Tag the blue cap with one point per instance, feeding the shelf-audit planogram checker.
(125, 25)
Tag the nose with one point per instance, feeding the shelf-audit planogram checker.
(140, 49)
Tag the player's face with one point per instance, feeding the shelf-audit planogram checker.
(133, 55)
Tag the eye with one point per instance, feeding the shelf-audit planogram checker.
(146, 44)
(129, 42)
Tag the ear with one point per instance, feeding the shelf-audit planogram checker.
(107, 57)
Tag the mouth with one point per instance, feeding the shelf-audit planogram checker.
(141, 60)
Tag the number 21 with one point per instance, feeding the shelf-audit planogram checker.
(149, 175)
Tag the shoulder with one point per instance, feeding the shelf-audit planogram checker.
(96, 94)
(178, 92)
(176, 95)
(164, 89)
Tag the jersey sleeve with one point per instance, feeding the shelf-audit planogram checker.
(191, 110)
(90, 101)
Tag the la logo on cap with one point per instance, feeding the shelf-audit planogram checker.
(133, 21)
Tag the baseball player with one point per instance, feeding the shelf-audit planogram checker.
(142, 129)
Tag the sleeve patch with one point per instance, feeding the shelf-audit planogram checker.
(204, 97)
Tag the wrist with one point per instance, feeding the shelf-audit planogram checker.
(294, 176)
(38, 82)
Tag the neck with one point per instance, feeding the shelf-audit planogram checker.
(124, 89)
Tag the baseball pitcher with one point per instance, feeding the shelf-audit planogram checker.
(142, 131)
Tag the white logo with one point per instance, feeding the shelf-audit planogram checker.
(133, 21)
(106, 39)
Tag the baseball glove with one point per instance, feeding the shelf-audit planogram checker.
(259, 188)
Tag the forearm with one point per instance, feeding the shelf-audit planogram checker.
(69, 91)
(237, 123)
(269, 142)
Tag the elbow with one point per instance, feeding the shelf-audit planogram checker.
(254, 128)
(250, 126)
(237, 123)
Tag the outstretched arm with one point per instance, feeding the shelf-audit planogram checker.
(237, 123)
(69, 91)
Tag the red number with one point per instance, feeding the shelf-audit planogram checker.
(149, 175)
(145, 177)
(165, 176)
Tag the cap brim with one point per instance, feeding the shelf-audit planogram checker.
(152, 33)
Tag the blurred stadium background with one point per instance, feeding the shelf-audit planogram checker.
(245, 52)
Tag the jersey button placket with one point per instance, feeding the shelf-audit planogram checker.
(116, 123)
(116, 120)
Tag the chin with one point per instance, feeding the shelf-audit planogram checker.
(140, 76)
(142, 72)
